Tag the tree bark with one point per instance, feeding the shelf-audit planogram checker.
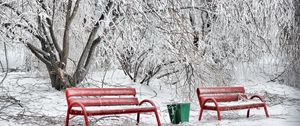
(86, 57)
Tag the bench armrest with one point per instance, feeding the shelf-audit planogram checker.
(77, 103)
(147, 101)
(211, 99)
(259, 97)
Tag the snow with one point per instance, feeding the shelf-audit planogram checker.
(110, 107)
(29, 100)
(16, 56)
(234, 103)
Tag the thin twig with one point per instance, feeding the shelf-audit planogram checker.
(6, 59)
(2, 66)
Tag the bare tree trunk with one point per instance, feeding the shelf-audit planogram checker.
(50, 48)
(86, 57)
(50, 53)
(296, 40)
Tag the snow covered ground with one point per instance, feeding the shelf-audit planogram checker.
(27, 99)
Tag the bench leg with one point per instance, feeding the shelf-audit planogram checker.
(157, 118)
(219, 115)
(83, 110)
(86, 119)
(200, 114)
(266, 111)
(138, 119)
(67, 118)
(248, 113)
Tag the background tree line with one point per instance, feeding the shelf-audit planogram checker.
(183, 43)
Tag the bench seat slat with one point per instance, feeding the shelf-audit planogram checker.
(234, 103)
(235, 107)
(221, 90)
(104, 101)
(225, 98)
(100, 91)
(114, 111)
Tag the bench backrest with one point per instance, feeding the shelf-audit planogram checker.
(102, 96)
(221, 94)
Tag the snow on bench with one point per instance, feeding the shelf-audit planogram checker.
(95, 108)
(235, 103)
(105, 101)
(227, 98)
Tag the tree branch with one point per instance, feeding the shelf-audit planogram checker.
(45, 54)
(40, 38)
(51, 30)
(36, 53)
(167, 74)
(43, 6)
(124, 67)
(75, 9)
(19, 14)
(53, 10)
(170, 8)
(65, 53)
(6, 59)
(46, 33)
(53, 37)
(92, 51)
(89, 43)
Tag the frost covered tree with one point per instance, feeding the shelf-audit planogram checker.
(291, 45)
(200, 42)
(185, 43)
(49, 27)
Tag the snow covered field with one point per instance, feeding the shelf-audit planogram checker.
(27, 99)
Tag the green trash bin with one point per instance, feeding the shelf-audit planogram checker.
(179, 112)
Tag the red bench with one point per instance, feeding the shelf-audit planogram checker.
(105, 101)
(213, 98)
